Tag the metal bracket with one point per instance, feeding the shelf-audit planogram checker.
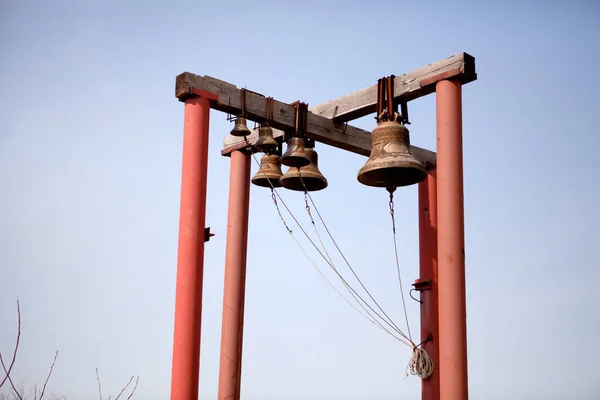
(332, 122)
(207, 234)
(387, 106)
(421, 286)
(301, 118)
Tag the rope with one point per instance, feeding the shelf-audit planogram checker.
(369, 317)
(420, 363)
(331, 263)
(398, 263)
(391, 322)
(274, 196)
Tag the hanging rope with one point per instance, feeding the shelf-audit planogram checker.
(369, 317)
(397, 261)
(420, 363)
(388, 320)
(331, 263)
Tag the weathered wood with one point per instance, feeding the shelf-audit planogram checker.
(319, 128)
(409, 86)
(362, 146)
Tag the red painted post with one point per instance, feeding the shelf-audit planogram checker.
(190, 253)
(428, 271)
(451, 243)
(230, 369)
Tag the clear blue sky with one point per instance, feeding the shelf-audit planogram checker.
(90, 158)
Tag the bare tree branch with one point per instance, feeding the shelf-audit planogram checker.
(122, 390)
(16, 347)
(126, 386)
(135, 387)
(48, 377)
(20, 394)
(99, 387)
(11, 382)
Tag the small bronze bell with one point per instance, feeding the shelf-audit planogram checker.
(270, 170)
(310, 174)
(266, 142)
(391, 163)
(240, 128)
(295, 156)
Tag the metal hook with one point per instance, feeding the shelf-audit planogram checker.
(411, 296)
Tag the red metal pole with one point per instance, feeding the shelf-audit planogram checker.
(230, 369)
(190, 254)
(451, 243)
(428, 272)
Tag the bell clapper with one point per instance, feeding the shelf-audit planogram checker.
(306, 206)
(391, 189)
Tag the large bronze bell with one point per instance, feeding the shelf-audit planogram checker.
(310, 174)
(240, 128)
(270, 170)
(266, 142)
(295, 156)
(391, 164)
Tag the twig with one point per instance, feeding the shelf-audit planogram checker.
(126, 386)
(16, 348)
(135, 387)
(12, 384)
(99, 387)
(7, 371)
(48, 377)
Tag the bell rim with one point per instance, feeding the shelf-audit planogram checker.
(366, 178)
(291, 179)
(314, 183)
(284, 160)
(262, 181)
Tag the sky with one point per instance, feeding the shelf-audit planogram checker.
(90, 173)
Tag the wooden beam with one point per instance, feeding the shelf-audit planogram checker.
(320, 129)
(409, 86)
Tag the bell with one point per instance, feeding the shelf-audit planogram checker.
(391, 163)
(240, 128)
(266, 142)
(270, 170)
(295, 156)
(310, 174)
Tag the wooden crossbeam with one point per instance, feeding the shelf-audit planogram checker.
(409, 86)
(319, 128)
